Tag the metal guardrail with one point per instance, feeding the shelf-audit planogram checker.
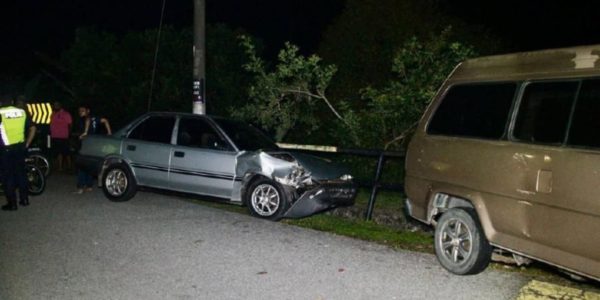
(376, 184)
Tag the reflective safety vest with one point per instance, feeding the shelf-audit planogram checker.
(12, 125)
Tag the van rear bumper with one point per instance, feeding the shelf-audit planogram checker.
(417, 201)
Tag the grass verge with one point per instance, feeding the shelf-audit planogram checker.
(368, 231)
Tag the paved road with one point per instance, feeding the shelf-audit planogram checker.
(68, 246)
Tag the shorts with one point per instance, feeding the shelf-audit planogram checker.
(60, 147)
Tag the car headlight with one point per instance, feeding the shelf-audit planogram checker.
(346, 177)
(297, 177)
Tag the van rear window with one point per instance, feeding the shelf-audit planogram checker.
(479, 111)
(544, 112)
(585, 127)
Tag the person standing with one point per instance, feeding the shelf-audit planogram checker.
(60, 128)
(14, 124)
(89, 125)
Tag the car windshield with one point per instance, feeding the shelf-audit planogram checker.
(246, 137)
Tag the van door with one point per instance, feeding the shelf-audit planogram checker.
(466, 154)
(563, 217)
(568, 216)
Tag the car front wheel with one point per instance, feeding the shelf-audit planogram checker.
(460, 244)
(118, 183)
(265, 199)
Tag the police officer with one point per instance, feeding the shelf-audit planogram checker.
(14, 124)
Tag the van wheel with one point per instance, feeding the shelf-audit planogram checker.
(460, 244)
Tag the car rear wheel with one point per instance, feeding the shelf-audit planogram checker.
(118, 183)
(460, 244)
(265, 199)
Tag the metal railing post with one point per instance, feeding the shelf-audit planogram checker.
(375, 187)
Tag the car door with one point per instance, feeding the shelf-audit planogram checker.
(148, 149)
(202, 161)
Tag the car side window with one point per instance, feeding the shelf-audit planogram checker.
(156, 129)
(197, 133)
(475, 110)
(585, 127)
(544, 112)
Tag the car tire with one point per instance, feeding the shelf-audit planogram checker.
(460, 243)
(118, 183)
(265, 199)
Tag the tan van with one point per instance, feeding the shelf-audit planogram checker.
(507, 157)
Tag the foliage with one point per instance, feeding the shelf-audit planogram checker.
(363, 40)
(92, 63)
(288, 95)
(113, 73)
(390, 111)
(226, 82)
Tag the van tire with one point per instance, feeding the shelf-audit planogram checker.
(460, 243)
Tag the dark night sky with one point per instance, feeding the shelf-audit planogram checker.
(534, 24)
(48, 26)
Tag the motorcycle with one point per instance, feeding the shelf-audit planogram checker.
(35, 178)
(39, 159)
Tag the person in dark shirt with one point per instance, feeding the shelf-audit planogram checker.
(89, 125)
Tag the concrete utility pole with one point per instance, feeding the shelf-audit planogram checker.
(199, 93)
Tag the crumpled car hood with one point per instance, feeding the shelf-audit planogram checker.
(320, 168)
(283, 164)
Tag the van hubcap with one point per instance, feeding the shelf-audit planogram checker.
(456, 241)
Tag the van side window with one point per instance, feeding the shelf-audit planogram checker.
(585, 127)
(479, 111)
(544, 112)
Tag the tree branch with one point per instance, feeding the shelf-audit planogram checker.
(307, 93)
(400, 137)
(335, 112)
(321, 96)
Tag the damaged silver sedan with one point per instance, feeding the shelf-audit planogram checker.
(215, 157)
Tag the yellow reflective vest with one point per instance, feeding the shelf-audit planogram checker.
(12, 125)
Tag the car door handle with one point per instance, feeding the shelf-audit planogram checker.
(131, 147)
(179, 154)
